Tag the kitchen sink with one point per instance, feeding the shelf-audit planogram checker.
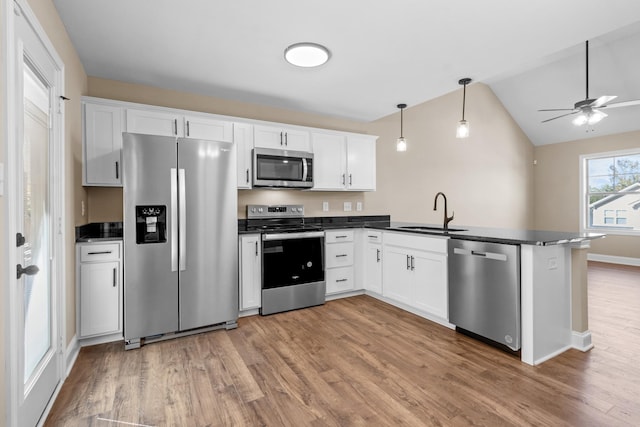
(425, 228)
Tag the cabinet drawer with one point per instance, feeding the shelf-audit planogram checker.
(339, 236)
(339, 255)
(339, 280)
(373, 236)
(100, 252)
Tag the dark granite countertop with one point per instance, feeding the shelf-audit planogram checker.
(99, 232)
(497, 235)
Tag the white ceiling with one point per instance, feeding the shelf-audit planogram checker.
(383, 52)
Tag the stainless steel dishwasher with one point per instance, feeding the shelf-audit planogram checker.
(484, 290)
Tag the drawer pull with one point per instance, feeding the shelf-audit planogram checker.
(341, 280)
(341, 255)
(342, 237)
(99, 253)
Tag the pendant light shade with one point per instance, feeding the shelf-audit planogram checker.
(462, 130)
(401, 143)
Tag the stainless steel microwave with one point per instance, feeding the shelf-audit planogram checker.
(282, 168)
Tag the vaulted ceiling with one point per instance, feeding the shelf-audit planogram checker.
(382, 53)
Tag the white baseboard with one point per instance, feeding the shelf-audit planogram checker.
(614, 259)
(581, 340)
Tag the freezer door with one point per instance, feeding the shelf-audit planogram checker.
(150, 231)
(208, 233)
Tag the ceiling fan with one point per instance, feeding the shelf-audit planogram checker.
(589, 109)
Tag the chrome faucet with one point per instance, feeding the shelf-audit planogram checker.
(447, 219)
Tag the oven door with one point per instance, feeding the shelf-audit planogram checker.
(292, 259)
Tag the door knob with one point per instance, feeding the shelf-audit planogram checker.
(29, 271)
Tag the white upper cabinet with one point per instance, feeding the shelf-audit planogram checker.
(243, 138)
(102, 145)
(282, 138)
(205, 128)
(173, 124)
(154, 123)
(344, 162)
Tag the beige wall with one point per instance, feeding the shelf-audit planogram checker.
(488, 178)
(75, 87)
(557, 189)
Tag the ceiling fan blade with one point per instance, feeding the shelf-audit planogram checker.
(557, 117)
(622, 104)
(558, 109)
(601, 101)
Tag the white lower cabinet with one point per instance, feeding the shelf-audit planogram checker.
(250, 272)
(339, 261)
(99, 290)
(372, 262)
(415, 272)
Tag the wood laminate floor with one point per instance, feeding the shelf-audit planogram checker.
(361, 362)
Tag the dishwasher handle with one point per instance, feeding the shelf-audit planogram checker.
(487, 255)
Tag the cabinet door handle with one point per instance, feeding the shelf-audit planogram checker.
(341, 280)
(187, 127)
(341, 255)
(408, 263)
(115, 277)
(256, 248)
(175, 126)
(117, 171)
(344, 177)
(280, 138)
(286, 138)
(99, 253)
(350, 179)
(247, 176)
(413, 267)
(377, 255)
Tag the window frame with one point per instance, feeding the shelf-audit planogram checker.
(584, 194)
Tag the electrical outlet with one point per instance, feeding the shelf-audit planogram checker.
(359, 206)
(325, 206)
(82, 207)
(347, 206)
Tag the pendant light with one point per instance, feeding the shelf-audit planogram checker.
(462, 131)
(401, 143)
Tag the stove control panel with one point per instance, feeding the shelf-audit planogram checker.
(275, 211)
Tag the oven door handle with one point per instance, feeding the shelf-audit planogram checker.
(288, 236)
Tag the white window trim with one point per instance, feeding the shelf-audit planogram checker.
(583, 191)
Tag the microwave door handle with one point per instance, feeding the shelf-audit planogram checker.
(305, 170)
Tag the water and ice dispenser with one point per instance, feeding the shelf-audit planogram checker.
(151, 224)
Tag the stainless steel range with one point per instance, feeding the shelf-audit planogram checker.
(292, 258)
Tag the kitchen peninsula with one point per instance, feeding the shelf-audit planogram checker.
(549, 266)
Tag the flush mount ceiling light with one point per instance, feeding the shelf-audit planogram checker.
(462, 131)
(306, 54)
(401, 143)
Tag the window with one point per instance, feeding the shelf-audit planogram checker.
(610, 185)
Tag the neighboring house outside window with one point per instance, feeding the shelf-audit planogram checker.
(610, 185)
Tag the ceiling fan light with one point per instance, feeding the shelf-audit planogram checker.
(595, 117)
(580, 119)
(306, 54)
(462, 131)
(401, 144)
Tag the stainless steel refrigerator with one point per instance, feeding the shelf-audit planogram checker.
(180, 237)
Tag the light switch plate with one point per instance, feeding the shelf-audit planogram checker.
(347, 206)
(359, 206)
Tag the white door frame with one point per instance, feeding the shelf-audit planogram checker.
(10, 9)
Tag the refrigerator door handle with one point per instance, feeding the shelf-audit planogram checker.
(174, 219)
(182, 217)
